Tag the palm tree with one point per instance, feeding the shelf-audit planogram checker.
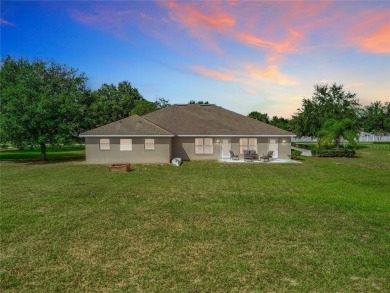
(335, 130)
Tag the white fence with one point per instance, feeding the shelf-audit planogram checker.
(363, 137)
(369, 137)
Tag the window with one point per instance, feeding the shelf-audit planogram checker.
(248, 144)
(126, 144)
(149, 143)
(204, 146)
(104, 144)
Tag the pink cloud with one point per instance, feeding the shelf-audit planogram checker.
(274, 49)
(274, 30)
(188, 15)
(249, 74)
(271, 73)
(213, 73)
(201, 25)
(372, 34)
(377, 42)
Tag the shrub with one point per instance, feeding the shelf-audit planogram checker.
(333, 153)
(295, 154)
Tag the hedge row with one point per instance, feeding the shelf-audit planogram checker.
(346, 153)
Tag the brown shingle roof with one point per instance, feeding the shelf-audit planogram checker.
(195, 119)
(132, 126)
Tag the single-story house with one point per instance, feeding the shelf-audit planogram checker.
(188, 131)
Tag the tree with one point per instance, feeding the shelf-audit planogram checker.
(144, 107)
(328, 102)
(281, 122)
(376, 118)
(259, 116)
(111, 103)
(387, 117)
(42, 103)
(335, 130)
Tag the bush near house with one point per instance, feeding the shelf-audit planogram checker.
(347, 153)
(295, 154)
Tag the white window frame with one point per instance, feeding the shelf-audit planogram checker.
(104, 144)
(204, 146)
(248, 143)
(126, 144)
(149, 144)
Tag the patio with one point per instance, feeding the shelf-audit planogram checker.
(272, 161)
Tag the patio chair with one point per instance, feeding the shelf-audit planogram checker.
(267, 156)
(233, 156)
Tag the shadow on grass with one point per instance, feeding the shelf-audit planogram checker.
(53, 155)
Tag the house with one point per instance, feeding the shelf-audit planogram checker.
(189, 131)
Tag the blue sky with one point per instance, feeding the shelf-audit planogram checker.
(244, 56)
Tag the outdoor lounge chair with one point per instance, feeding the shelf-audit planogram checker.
(267, 156)
(233, 156)
(250, 155)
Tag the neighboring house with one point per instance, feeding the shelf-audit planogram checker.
(190, 132)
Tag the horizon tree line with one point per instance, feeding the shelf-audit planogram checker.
(46, 103)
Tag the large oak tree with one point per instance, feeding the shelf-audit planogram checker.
(376, 118)
(42, 103)
(328, 102)
(111, 103)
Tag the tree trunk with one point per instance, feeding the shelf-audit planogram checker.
(43, 152)
(337, 142)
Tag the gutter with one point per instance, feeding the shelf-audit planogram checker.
(185, 135)
(125, 135)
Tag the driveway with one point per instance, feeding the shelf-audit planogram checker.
(306, 153)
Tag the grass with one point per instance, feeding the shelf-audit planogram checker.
(320, 226)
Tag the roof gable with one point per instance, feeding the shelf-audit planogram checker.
(131, 126)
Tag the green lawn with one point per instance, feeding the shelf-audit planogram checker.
(319, 226)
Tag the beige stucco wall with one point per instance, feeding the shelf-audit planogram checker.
(263, 146)
(161, 153)
(184, 147)
(168, 148)
(284, 147)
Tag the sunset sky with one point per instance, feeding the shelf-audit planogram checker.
(244, 56)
